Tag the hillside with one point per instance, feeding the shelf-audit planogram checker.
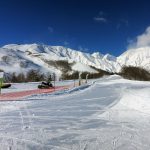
(139, 57)
(59, 59)
(21, 58)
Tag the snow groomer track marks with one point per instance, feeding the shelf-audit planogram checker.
(20, 95)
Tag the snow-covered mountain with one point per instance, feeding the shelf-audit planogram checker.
(136, 57)
(21, 58)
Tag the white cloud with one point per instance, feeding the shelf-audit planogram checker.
(101, 13)
(50, 29)
(125, 22)
(122, 23)
(142, 40)
(83, 49)
(66, 43)
(100, 19)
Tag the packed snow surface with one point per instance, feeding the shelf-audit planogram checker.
(110, 113)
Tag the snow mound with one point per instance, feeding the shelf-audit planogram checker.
(83, 68)
(137, 99)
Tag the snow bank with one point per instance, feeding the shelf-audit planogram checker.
(137, 99)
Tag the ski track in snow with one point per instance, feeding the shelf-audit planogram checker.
(111, 114)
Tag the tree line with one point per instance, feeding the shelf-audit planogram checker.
(127, 72)
(135, 73)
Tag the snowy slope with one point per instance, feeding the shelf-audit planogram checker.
(38, 54)
(136, 57)
(21, 58)
(83, 68)
(112, 113)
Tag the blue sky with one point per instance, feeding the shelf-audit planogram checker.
(107, 26)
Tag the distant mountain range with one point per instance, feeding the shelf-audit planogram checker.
(22, 58)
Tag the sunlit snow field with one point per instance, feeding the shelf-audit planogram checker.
(110, 113)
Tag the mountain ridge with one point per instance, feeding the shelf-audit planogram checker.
(24, 57)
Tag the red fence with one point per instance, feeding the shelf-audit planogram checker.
(19, 95)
